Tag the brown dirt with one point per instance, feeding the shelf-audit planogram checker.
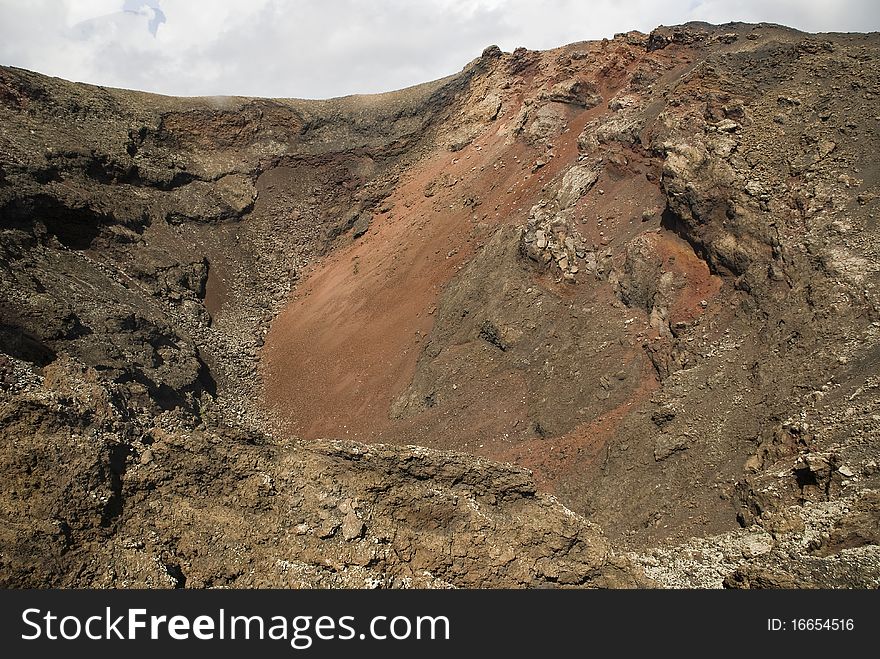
(350, 335)
(347, 344)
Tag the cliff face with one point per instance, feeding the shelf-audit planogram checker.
(622, 294)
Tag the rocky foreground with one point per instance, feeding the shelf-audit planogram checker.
(601, 316)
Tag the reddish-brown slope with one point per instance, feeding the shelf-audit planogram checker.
(348, 343)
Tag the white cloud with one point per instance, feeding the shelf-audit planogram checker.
(808, 16)
(320, 48)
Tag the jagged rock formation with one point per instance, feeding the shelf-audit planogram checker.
(644, 269)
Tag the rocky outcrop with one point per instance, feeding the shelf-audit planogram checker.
(552, 243)
(577, 92)
(176, 506)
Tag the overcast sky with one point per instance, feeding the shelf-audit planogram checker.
(324, 48)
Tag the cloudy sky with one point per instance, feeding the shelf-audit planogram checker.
(323, 48)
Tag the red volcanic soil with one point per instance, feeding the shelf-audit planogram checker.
(347, 344)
